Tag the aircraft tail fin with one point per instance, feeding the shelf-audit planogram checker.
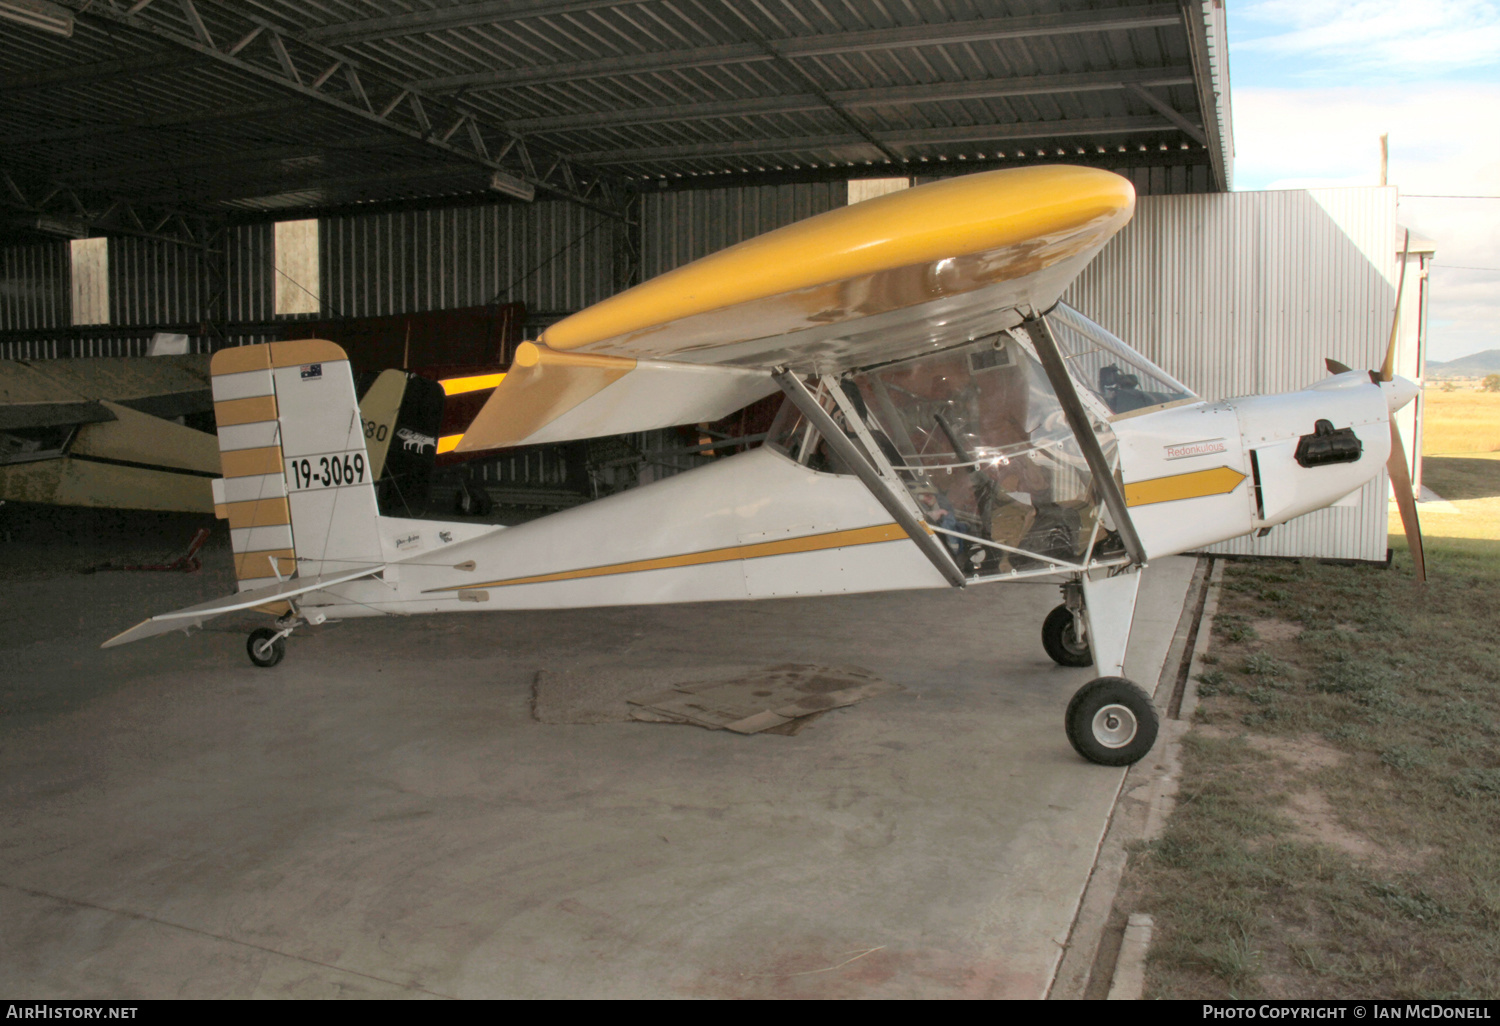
(298, 489)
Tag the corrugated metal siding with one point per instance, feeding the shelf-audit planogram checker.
(552, 256)
(34, 286)
(248, 267)
(1246, 293)
(151, 282)
(680, 226)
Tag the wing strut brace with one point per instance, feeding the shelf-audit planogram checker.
(883, 489)
(1078, 420)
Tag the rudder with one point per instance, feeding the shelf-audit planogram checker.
(297, 488)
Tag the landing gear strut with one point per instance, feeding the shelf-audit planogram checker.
(267, 645)
(1110, 721)
(1065, 631)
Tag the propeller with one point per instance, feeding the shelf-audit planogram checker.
(1396, 466)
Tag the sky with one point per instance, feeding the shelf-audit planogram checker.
(1314, 84)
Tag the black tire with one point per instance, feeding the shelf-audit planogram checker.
(257, 643)
(1112, 722)
(1060, 639)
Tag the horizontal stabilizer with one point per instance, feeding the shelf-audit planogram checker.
(192, 616)
(42, 393)
(557, 397)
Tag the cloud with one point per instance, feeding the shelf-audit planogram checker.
(1424, 38)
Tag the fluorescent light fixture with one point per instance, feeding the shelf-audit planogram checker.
(510, 185)
(38, 14)
(61, 226)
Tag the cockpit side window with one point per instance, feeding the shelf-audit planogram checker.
(1122, 379)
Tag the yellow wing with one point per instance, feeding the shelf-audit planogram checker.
(937, 264)
(855, 284)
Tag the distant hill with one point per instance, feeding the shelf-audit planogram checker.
(1476, 366)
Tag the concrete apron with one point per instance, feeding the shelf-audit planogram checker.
(381, 815)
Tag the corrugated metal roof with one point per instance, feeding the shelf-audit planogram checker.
(205, 106)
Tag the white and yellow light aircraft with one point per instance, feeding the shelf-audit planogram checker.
(948, 423)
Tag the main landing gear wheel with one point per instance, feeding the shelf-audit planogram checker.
(266, 646)
(1112, 722)
(1060, 639)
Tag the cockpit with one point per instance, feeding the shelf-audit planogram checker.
(979, 437)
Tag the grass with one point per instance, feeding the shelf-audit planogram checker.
(1335, 835)
(1460, 422)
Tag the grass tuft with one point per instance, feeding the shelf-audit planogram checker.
(1476, 783)
(1234, 628)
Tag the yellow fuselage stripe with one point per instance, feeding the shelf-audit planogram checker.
(448, 443)
(1194, 485)
(786, 546)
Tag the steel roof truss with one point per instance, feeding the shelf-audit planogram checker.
(1094, 81)
(287, 75)
(108, 213)
(1170, 113)
(1024, 27)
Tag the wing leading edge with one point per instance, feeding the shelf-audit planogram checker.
(859, 284)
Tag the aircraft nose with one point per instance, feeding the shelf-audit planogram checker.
(1399, 391)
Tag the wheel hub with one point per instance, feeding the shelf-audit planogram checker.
(1114, 726)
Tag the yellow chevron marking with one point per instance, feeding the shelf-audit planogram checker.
(1218, 481)
(806, 543)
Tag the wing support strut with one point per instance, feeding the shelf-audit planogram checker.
(1078, 420)
(883, 489)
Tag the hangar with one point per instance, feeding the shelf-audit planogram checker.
(206, 175)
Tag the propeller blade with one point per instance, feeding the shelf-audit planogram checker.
(1388, 368)
(1401, 486)
(1334, 367)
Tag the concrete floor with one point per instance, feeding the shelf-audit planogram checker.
(382, 815)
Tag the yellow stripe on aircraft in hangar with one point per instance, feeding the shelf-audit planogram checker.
(785, 546)
(1194, 485)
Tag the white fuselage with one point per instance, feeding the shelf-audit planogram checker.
(759, 525)
(756, 525)
(1180, 464)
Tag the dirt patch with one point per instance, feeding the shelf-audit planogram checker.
(1314, 817)
(1308, 807)
(1305, 754)
(1277, 631)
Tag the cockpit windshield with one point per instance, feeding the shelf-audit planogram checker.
(1121, 378)
(982, 442)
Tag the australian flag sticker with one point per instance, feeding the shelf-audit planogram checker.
(312, 370)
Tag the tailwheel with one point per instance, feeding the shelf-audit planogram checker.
(1112, 722)
(1060, 637)
(267, 646)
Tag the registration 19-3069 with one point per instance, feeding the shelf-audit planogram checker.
(332, 470)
